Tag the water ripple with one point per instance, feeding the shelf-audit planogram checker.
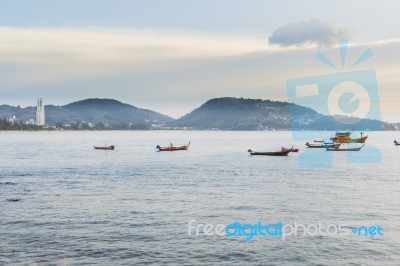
(65, 204)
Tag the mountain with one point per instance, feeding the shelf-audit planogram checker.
(23, 114)
(91, 111)
(255, 114)
(220, 113)
(106, 111)
(236, 114)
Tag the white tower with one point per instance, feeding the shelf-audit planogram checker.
(40, 113)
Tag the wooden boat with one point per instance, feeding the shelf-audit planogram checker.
(345, 149)
(345, 137)
(323, 145)
(318, 140)
(331, 145)
(274, 153)
(396, 143)
(173, 148)
(291, 149)
(104, 147)
(312, 145)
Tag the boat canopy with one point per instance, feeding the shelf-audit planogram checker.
(343, 133)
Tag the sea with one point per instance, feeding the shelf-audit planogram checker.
(64, 203)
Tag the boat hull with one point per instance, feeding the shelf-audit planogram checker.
(173, 148)
(311, 146)
(291, 149)
(349, 149)
(322, 145)
(358, 140)
(274, 153)
(108, 148)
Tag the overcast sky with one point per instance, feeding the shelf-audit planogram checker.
(171, 56)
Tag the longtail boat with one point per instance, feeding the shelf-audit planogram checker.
(274, 153)
(345, 149)
(312, 145)
(173, 148)
(291, 149)
(104, 147)
(345, 137)
(323, 145)
(396, 143)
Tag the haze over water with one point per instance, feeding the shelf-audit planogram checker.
(64, 202)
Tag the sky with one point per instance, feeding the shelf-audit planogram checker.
(172, 56)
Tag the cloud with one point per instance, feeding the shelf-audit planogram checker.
(48, 54)
(112, 44)
(55, 54)
(314, 31)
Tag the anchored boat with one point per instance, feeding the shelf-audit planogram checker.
(345, 149)
(104, 148)
(171, 147)
(322, 145)
(345, 137)
(274, 153)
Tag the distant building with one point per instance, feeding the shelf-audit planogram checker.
(30, 122)
(40, 118)
(12, 119)
(9, 118)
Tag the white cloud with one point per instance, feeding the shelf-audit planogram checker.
(56, 54)
(86, 50)
(314, 31)
(37, 55)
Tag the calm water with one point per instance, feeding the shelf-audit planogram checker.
(62, 202)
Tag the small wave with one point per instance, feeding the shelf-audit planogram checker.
(240, 208)
(99, 222)
(13, 200)
(18, 174)
(7, 183)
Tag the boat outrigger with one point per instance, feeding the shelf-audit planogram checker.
(171, 147)
(345, 137)
(274, 153)
(345, 149)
